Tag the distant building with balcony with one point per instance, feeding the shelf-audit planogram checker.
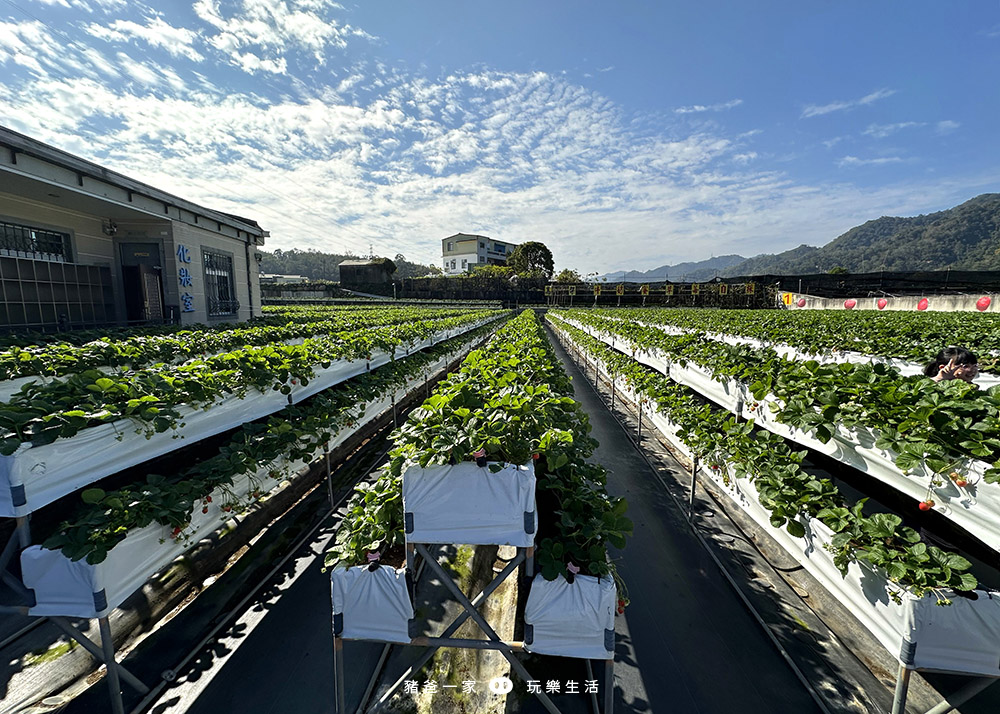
(462, 252)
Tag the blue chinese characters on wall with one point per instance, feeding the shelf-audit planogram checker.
(185, 278)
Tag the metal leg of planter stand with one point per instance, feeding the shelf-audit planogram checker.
(962, 695)
(338, 675)
(99, 653)
(529, 561)
(448, 632)
(609, 686)
(694, 486)
(114, 685)
(23, 531)
(902, 685)
(410, 559)
(329, 474)
(593, 695)
(481, 621)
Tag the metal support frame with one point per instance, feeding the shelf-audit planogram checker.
(948, 704)
(695, 464)
(446, 639)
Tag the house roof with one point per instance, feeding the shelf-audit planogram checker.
(20, 144)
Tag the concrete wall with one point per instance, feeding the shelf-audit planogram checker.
(195, 239)
(91, 246)
(471, 258)
(935, 303)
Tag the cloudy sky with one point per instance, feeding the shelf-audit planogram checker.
(622, 134)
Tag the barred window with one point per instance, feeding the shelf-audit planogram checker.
(25, 241)
(220, 292)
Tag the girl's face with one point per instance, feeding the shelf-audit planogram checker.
(966, 372)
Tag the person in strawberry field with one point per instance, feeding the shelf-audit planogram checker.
(953, 363)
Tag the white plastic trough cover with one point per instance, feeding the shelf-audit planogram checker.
(571, 619)
(371, 605)
(465, 503)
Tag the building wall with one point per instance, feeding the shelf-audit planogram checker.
(470, 258)
(195, 239)
(91, 246)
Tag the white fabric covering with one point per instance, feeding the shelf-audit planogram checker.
(975, 507)
(375, 605)
(570, 620)
(64, 587)
(66, 465)
(468, 504)
(963, 637)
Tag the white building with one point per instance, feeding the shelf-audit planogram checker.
(461, 252)
(83, 246)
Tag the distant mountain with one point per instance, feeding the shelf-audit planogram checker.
(966, 237)
(682, 272)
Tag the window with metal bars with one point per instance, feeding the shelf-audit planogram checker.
(27, 242)
(220, 292)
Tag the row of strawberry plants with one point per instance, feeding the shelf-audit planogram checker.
(940, 425)
(902, 335)
(27, 338)
(131, 352)
(511, 401)
(294, 434)
(41, 413)
(785, 488)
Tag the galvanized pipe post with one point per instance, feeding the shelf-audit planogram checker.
(902, 685)
(114, 684)
(694, 485)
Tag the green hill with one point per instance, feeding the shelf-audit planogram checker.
(966, 237)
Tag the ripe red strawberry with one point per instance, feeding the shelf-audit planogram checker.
(926, 505)
(205, 509)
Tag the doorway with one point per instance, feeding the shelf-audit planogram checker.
(143, 282)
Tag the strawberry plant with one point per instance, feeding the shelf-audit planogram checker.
(512, 401)
(785, 489)
(296, 433)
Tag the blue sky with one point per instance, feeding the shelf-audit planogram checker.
(625, 135)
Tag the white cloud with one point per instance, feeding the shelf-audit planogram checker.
(178, 41)
(947, 126)
(698, 108)
(814, 110)
(374, 154)
(879, 161)
(881, 131)
(260, 33)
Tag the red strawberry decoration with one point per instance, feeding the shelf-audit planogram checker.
(923, 304)
(882, 302)
(983, 303)
(850, 303)
(801, 302)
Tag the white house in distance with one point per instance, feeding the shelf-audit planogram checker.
(461, 252)
(84, 246)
